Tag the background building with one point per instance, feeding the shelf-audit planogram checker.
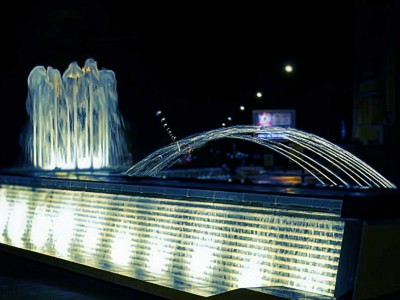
(376, 106)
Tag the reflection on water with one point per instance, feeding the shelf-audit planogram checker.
(190, 245)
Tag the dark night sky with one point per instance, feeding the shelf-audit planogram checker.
(196, 63)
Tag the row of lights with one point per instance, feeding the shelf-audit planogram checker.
(164, 124)
(241, 108)
(289, 68)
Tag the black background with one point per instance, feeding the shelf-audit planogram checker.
(196, 62)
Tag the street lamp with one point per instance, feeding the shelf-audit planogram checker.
(289, 68)
(242, 107)
(259, 94)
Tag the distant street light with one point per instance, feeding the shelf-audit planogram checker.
(259, 94)
(229, 119)
(241, 107)
(223, 124)
(288, 68)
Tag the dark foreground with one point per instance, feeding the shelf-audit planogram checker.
(22, 278)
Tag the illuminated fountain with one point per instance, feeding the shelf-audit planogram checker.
(182, 244)
(181, 239)
(74, 119)
(326, 162)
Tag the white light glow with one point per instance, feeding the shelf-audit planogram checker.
(67, 165)
(202, 260)
(63, 230)
(289, 68)
(41, 225)
(49, 166)
(259, 94)
(158, 253)
(17, 222)
(242, 107)
(98, 161)
(84, 163)
(121, 248)
(91, 237)
(251, 274)
(3, 213)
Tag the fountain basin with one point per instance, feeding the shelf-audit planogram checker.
(185, 238)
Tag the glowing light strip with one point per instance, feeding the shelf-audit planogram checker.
(165, 241)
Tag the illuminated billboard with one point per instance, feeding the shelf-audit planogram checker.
(275, 117)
